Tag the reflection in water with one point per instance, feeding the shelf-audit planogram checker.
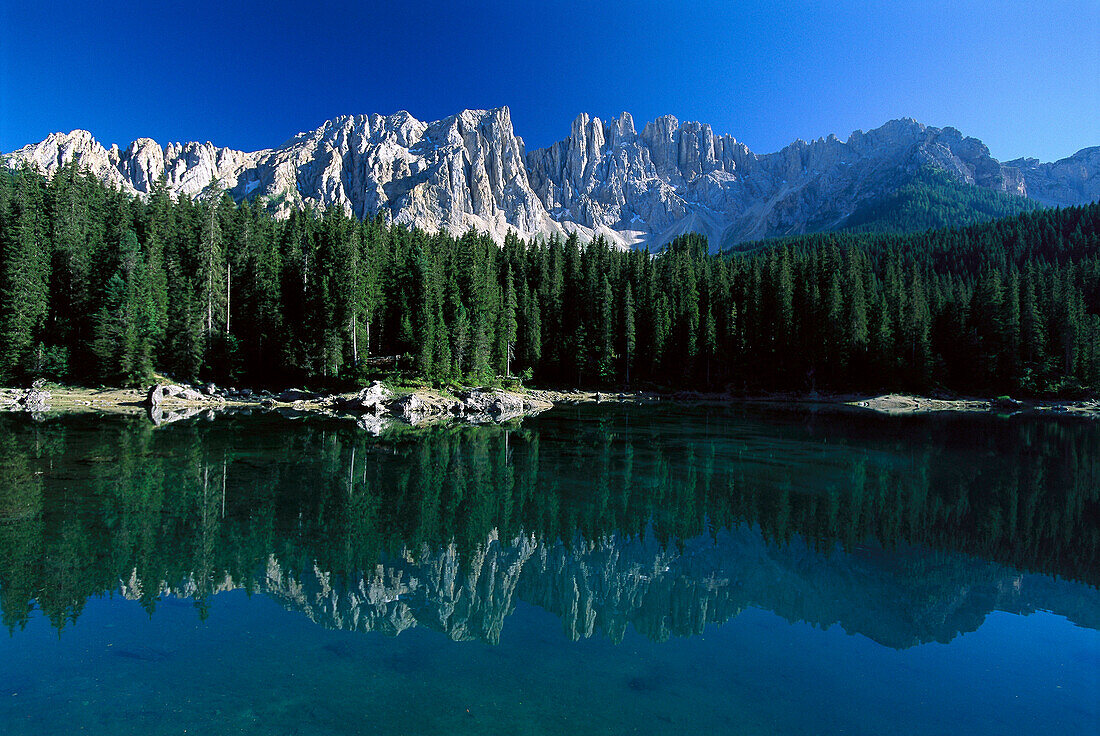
(906, 531)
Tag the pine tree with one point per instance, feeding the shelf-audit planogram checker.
(1031, 329)
(126, 321)
(628, 330)
(605, 325)
(212, 265)
(987, 323)
(460, 340)
(508, 325)
(24, 279)
(481, 353)
(530, 341)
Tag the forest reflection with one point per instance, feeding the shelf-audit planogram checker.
(904, 530)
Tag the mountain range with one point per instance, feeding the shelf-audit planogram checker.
(638, 189)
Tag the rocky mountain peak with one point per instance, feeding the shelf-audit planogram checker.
(471, 170)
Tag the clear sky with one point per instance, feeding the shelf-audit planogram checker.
(1022, 75)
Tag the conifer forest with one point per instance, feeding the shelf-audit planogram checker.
(100, 287)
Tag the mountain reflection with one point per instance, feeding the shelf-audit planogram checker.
(906, 531)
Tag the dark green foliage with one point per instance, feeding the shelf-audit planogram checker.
(219, 500)
(125, 324)
(24, 275)
(99, 286)
(933, 200)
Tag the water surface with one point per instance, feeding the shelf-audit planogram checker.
(595, 569)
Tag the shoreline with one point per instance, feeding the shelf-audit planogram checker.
(478, 405)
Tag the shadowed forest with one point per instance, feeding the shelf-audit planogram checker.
(101, 287)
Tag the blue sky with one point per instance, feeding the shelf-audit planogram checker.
(1022, 76)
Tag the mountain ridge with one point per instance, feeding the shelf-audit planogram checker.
(471, 170)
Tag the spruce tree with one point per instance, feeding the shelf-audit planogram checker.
(125, 323)
(24, 279)
(629, 339)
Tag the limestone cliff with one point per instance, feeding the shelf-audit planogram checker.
(471, 170)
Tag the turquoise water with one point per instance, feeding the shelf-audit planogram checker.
(605, 570)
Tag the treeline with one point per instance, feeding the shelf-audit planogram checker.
(98, 286)
(933, 200)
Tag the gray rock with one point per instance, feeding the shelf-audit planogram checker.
(605, 178)
(498, 405)
(159, 392)
(35, 400)
(376, 390)
(417, 407)
(372, 399)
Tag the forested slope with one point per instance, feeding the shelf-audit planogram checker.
(100, 286)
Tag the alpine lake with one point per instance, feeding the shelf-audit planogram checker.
(596, 569)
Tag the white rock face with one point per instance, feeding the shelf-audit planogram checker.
(673, 178)
(472, 171)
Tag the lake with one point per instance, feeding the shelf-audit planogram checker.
(597, 569)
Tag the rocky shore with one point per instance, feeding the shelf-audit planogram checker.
(377, 406)
(374, 407)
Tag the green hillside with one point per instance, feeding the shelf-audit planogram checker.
(933, 200)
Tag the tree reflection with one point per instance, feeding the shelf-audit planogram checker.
(608, 517)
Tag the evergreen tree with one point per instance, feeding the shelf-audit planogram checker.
(97, 285)
(126, 322)
(629, 339)
(24, 279)
(509, 326)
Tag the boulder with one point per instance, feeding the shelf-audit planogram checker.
(375, 391)
(161, 391)
(496, 404)
(417, 407)
(372, 398)
(35, 400)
